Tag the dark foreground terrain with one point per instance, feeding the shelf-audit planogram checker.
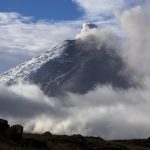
(75, 142)
(13, 138)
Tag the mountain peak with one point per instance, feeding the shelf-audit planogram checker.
(86, 29)
(88, 26)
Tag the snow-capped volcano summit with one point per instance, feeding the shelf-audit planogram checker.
(88, 26)
(23, 70)
(76, 66)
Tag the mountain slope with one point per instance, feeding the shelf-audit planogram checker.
(23, 70)
(77, 66)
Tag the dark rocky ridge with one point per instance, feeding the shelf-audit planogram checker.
(47, 141)
(13, 133)
(80, 68)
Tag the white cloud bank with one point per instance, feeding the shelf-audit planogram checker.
(104, 112)
(136, 52)
(95, 8)
(99, 7)
(21, 38)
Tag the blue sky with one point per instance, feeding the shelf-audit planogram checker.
(26, 30)
(39, 9)
(30, 27)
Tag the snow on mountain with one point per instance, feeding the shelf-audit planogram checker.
(88, 26)
(87, 29)
(23, 70)
(76, 66)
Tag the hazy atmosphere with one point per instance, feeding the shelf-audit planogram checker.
(105, 110)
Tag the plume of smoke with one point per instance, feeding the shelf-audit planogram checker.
(135, 24)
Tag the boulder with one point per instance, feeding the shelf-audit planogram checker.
(15, 132)
(47, 133)
(3, 126)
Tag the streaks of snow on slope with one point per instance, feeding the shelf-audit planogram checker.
(22, 71)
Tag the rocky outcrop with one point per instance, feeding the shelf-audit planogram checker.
(15, 139)
(3, 126)
(15, 132)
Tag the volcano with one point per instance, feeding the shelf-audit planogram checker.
(76, 66)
